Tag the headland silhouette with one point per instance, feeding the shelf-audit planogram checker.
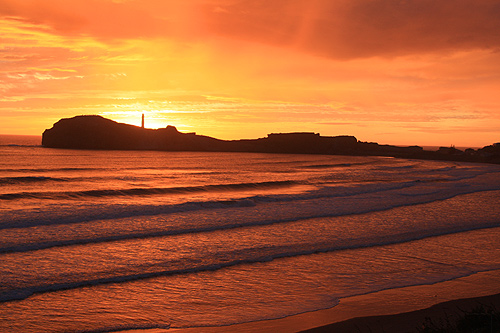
(99, 133)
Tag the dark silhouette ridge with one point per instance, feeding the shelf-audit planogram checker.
(96, 132)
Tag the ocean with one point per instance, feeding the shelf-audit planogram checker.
(103, 241)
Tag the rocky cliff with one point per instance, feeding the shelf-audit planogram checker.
(96, 132)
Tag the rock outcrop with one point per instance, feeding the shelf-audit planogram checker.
(96, 132)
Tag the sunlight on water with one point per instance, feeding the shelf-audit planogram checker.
(118, 240)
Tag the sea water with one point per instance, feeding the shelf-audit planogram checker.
(96, 241)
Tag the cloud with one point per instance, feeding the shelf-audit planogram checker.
(41, 12)
(341, 29)
(52, 70)
(103, 20)
(364, 28)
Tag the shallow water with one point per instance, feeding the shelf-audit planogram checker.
(109, 240)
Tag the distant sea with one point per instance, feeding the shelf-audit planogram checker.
(94, 241)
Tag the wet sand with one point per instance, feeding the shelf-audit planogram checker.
(394, 310)
(411, 321)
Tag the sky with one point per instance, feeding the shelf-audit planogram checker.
(409, 72)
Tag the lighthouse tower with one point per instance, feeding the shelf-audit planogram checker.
(142, 121)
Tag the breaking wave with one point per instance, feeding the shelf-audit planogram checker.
(140, 191)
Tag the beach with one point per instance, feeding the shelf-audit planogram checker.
(396, 310)
(406, 309)
(94, 241)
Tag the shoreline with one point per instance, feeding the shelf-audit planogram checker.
(412, 320)
(381, 311)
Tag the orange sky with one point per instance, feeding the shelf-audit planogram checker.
(407, 72)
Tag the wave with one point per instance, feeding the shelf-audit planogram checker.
(28, 180)
(23, 219)
(127, 327)
(241, 257)
(30, 170)
(144, 234)
(17, 220)
(145, 191)
(340, 165)
(328, 166)
(237, 221)
(444, 169)
(198, 171)
(397, 167)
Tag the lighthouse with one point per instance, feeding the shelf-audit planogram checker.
(142, 121)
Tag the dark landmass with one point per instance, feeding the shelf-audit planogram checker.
(96, 132)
